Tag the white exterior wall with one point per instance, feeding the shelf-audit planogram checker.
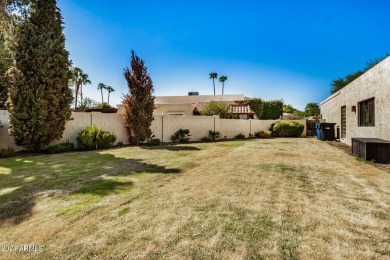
(162, 126)
(375, 83)
(185, 109)
(194, 99)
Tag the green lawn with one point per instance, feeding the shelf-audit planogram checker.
(255, 199)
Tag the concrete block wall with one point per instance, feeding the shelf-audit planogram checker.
(162, 126)
(165, 126)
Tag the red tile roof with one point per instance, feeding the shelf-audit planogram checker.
(199, 106)
(241, 109)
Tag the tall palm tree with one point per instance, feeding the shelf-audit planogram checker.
(213, 75)
(74, 81)
(223, 79)
(83, 80)
(109, 89)
(100, 87)
(78, 78)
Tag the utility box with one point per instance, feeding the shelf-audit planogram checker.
(369, 149)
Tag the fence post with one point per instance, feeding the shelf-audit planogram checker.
(250, 127)
(162, 128)
(214, 122)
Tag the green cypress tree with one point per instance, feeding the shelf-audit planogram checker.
(139, 103)
(39, 95)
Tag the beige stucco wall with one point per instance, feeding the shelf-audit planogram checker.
(186, 109)
(108, 122)
(374, 83)
(162, 126)
(195, 99)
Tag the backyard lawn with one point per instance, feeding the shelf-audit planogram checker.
(257, 199)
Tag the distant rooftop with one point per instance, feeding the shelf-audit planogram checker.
(196, 99)
(241, 109)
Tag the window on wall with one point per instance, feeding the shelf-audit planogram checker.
(367, 112)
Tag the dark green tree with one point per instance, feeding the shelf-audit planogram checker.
(6, 58)
(273, 109)
(340, 83)
(139, 102)
(312, 109)
(257, 105)
(39, 94)
(288, 109)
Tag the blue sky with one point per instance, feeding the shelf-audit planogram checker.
(288, 50)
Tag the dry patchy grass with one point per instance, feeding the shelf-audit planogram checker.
(257, 199)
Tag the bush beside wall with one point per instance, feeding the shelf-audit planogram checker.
(6, 152)
(60, 148)
(93, 138)
(287, 129)
(263, 134)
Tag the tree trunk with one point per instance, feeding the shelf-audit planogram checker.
(81, 93)
(101, 91)
(223, 86)
(214, 86)
(76, 94)
(108, 101)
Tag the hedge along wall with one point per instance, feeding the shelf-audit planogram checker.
(162, 126)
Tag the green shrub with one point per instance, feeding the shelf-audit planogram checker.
(240, 136)
(214, 135)
(154, 142)
(287, 129)
(93, 138)
(7, 152)
(206, 139)
(60, 148)
(263, 134)
(181, 135)
(102, 105)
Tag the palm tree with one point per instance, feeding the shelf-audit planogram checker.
(78, 78)
(100, 87)
(83, 80)
(109, 89)
(213, 75)
(73, 81)
(223, 79)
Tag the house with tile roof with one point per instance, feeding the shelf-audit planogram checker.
(193, 105)
(241, 111)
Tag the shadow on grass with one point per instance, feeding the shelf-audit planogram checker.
(172, 147)
(22, 180)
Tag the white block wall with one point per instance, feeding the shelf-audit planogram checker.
(162, 126)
